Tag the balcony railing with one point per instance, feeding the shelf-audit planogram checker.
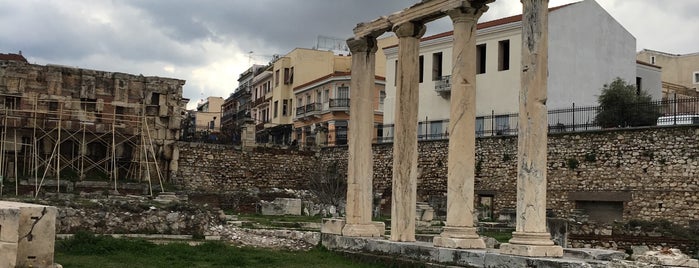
(443, 85)
(339, 103)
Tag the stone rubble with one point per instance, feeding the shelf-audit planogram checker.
(266, 238)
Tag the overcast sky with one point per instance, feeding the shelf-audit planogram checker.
(208, 42)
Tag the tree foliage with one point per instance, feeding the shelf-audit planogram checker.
(622, 105)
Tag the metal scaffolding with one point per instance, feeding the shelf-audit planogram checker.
(75, 140)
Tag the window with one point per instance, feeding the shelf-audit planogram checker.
(291, 76)
(480, 59)
(504, 55)
(319, 97)
(53, 106)
(421, 65)
(300, 102)
(638, 85)
(382, 99)
(276, 104)
(696, 77)
(343, 93)
(437, 66)
(12, 103)
(276, 78)
(435, 130)
(652, 59)
(326, 96)
(90, 105)
(287, 76)
(155, 99)
(480, 126)
(285, 107)
(308, 99)
(340, 132)
(502, 124)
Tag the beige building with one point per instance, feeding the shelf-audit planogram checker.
(208, 116)
(296, 68)
(680, 75)
(321, 111)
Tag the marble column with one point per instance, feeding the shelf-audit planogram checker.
(405, 138)
(360, 167)
(531, 237)
(459, 231)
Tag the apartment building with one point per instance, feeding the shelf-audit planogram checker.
(261, 97)
(236, 109)
(587, 49)
(680, 75)
(322, 109)
(208, 115)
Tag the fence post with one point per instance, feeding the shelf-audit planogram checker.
(492, 122)
(674, 117)
(573, 116)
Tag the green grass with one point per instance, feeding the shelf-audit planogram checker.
(501, 237)
(86, 250)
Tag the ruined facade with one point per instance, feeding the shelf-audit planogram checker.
(69, 123)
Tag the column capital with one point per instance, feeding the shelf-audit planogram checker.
(410, 29)
(364, 44)
(468, 13)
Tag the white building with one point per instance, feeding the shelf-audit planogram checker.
(587, 49)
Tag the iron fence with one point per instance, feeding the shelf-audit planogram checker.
(680, 111)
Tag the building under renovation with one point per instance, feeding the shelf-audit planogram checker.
(65, 123)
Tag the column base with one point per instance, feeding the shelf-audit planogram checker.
(362, 230)
(458, 237)
(531, 245)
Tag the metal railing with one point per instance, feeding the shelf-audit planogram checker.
(683, 111)
(339, 103)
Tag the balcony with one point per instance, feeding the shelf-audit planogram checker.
(339, 104)
(443, 86)
(309, 110)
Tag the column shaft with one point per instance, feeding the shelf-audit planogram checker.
(405, 138)
(360, 167)
(459, 231)
(531, 237)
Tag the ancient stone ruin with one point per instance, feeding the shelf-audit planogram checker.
(531, 237)
(65, 122)
(27, 235)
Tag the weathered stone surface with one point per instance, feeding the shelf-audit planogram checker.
(594, 254)
(427, 253)
(332, 226)
(405, 140)
(27, 234)
(281, 206)
(668, 257)
(360, 166)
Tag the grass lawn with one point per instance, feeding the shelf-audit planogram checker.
(86, 250)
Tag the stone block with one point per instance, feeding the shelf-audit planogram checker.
(594, 254)
(282, 206)
(8, 254)
(29, 231)
(531, 250)
(332, 226)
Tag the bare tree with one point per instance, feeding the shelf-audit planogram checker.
(328, 184)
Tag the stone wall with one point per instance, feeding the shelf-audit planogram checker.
(654, 172)
(657, 167)
(216, 168)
